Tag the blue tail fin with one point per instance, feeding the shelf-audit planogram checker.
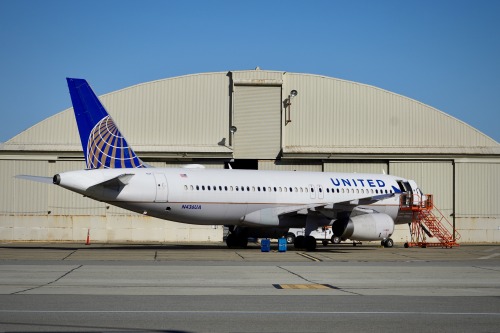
(103, 144)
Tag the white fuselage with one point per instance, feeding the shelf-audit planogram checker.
(235, 197)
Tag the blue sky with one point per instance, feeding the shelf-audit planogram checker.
(443, 53)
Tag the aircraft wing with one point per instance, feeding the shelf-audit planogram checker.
(330, 209)
(300, 209)
(272, 215)
(357, 202)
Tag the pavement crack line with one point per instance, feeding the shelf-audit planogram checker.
(69, 255)
(309, 281)
(48, 283)
(297, 275)
(486, 268)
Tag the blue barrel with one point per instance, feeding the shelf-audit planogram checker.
(265, 245)
(282, 244)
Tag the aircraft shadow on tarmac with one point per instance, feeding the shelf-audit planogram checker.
(338, 248)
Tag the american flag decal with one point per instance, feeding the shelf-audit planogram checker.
(183, 175)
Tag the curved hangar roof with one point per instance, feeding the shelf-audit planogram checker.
(191, 116)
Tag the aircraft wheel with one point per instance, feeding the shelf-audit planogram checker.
(325, 243)
(231, 241)
(290, 238)
(243, 242)
(310, 243)
(336, 239)
(388, 243)
(300, 242)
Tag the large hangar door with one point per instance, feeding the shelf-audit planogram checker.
(257, 115)
(435, 178)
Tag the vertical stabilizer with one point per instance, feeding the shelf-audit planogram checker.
(103, 144)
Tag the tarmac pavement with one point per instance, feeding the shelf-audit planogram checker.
(209, 288)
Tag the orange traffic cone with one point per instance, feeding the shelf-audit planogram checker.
(88, 237)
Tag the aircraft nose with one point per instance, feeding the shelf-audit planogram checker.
(57, 179)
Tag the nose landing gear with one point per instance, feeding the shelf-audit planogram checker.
(388, 242)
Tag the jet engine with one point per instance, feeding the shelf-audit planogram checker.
(366, 227)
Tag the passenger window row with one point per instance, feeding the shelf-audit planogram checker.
(280, 189)
(362, 191)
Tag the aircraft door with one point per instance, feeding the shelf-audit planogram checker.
(161, 187)
(418, 197)
(407, 195)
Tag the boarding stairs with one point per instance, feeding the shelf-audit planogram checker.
(429, 227)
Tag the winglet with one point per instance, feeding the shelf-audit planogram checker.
(103, 144)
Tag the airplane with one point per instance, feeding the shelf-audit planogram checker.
(251, 203)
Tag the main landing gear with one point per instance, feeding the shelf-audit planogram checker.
(305, 242)
(236, 240)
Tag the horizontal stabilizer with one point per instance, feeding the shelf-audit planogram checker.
(118, 181)
(39, 179)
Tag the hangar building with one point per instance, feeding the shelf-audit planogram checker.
(253, 118)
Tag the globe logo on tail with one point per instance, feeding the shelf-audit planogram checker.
(107, 148)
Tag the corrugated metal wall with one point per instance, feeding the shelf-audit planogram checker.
(189, 110)
(477, 189)
(21, 196)
(432, 177)
(330, 112)
(32, 198)
(257, 113)
(187, 164)
(56, 133)
(355, 166)
(291, 165)
(184, 111)
(257, 77)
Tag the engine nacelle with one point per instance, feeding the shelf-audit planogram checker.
(365, 227)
